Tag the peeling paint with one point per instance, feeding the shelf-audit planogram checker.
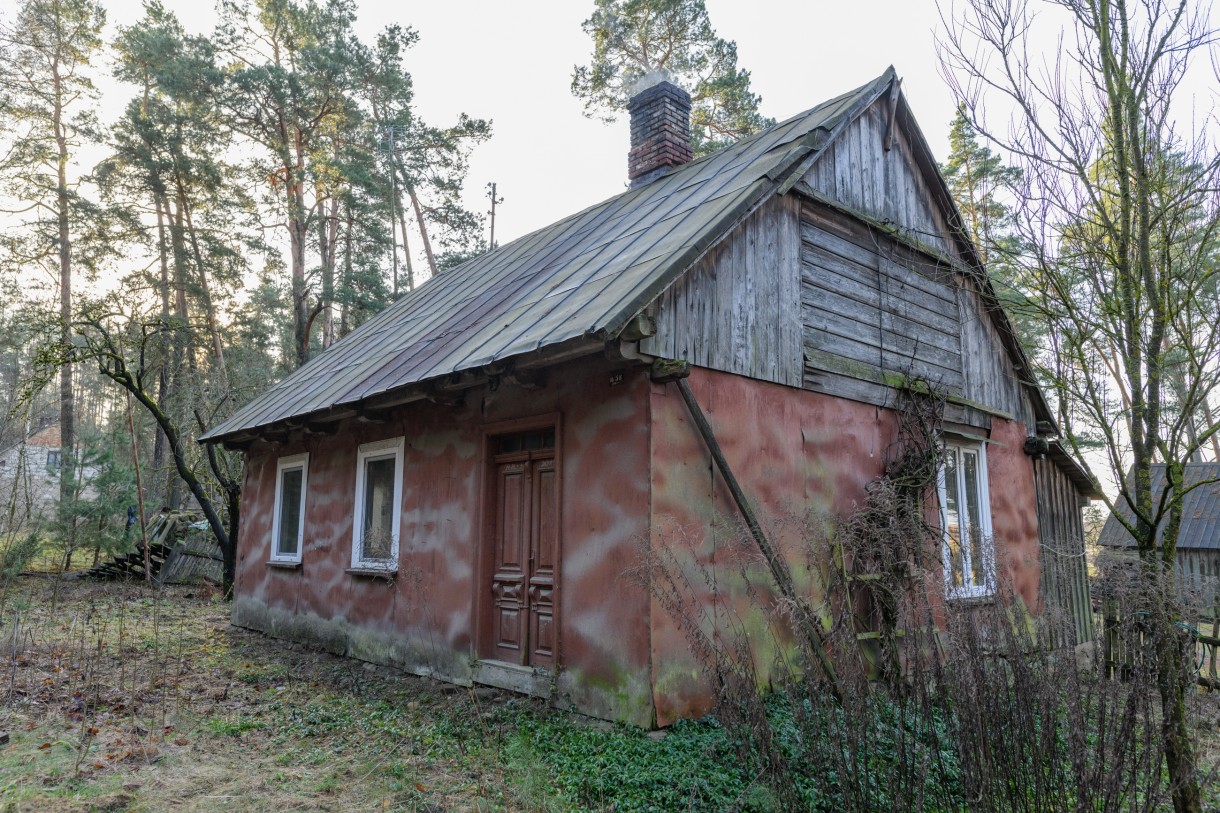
(634, 472)
(425, 620)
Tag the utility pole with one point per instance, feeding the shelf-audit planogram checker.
(491, 193)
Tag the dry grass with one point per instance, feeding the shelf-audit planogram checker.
(122, 697)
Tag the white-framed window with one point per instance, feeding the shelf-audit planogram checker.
(967, 552)
(288, 525)
(378, 507)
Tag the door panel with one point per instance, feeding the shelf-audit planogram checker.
(508, 580)
(545, 546)
(526, 551)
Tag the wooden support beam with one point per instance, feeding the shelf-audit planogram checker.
(895, 85)
(526, 379)
(809, 625)
(641, 326)
(373, 416)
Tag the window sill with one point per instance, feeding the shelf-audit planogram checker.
(284, 564)
(971, 600)
(385, 573)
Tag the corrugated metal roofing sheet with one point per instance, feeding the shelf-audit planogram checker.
(1200, 510)
(586, 275)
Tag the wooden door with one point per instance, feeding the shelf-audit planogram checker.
(525, 547)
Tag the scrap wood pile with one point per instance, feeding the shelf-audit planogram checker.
(180, 549)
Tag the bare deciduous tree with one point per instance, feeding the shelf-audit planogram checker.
(1118, 209)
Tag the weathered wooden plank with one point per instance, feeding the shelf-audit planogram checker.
(738, 309)
(788, 252)
(825, 305)
(860, 360)
(873, 162)
(861, 354)
(910, 304)
(831, 231)
(989, 376)
(929, 285)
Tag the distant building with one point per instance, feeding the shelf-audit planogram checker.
(29, 478)
(29, 470)
(1198, 551)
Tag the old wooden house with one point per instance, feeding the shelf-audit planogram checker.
(1197, 577)
(459, 486)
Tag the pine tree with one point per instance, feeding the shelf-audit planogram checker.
(427, 164)
(289, 86)
(167, 172)
(46, 100)
(635, 38)
(981, 185)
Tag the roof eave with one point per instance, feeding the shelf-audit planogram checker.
(432, 389)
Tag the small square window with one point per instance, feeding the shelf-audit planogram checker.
(53, 458)
(967, 551)
(288, 527)
(378, 505)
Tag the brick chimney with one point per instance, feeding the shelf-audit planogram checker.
(660, 132)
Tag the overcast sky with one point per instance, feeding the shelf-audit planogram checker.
(512, 62)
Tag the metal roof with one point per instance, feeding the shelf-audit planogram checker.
(585, 276)
(1075, 471)
(1200, 510)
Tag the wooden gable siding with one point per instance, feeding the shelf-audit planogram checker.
(874, 307)
(857, 171)
(1064, 576)
(871, 306)
(990, 376)
(738, 309)
(813, 291)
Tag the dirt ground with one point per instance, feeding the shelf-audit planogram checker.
(122, 697)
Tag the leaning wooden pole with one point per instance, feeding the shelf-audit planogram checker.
(664, 370)
(135, 459)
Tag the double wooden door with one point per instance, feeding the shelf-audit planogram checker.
(525, 547)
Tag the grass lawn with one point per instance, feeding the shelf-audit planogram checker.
(122, 697)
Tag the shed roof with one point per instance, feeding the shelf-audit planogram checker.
(1200, 510)
(587, 275)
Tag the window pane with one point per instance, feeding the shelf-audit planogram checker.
(970, 468)
(953, 519)
(290, 511)
(378, 519)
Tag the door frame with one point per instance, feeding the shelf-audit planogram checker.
(481, 638)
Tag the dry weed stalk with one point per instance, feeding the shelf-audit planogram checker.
(946, 705)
